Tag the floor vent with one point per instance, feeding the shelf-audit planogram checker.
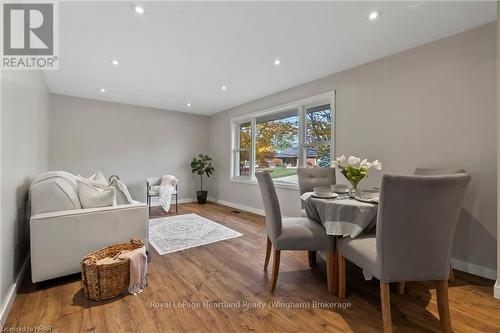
(235, 211)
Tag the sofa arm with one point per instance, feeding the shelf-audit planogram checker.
(84, 211)
(60, 239)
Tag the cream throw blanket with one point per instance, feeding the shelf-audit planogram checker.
(138, 261)
(138, 266)
(167, 188)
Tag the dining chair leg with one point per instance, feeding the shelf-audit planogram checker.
(268, 253)
(443, 306)
(385, 302)
(401, 287)
(312, 258)
(276, 268)
(451, 277)
(330, 270)
(341, 278)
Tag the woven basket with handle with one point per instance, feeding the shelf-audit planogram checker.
(106, 281)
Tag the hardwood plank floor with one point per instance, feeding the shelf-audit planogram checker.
(228, 276)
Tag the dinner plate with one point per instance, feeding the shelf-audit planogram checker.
(329, 196)
(372, 200)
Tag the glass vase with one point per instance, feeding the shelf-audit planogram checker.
(353, 190)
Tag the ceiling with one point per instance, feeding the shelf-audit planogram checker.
(178, 53)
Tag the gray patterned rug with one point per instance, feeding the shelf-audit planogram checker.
(180, 232)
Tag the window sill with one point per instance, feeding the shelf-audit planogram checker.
(245, 180)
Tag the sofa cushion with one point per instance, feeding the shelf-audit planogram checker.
(123, 196)
(97, 180)
(92, 196)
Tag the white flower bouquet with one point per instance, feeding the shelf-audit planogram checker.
(354, 169)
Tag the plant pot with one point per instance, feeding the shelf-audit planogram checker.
(201, 196)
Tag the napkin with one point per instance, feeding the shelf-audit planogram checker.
(306, 196)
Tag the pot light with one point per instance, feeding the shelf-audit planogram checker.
(188, 105)
(115, 62)
(374, 15)
(277, 62)
(102, 90)
(139, 9)
(224, 88)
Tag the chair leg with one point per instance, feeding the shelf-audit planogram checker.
(268, 253)
(451, 277)
(401, 287)
(443, 306)
(176, 203)
(331, 270)
(385, 302)
(341, 278)
(276, 269)
(312, 258)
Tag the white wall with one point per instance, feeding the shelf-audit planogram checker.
(130, 141)
(24, 154)
(432, 106)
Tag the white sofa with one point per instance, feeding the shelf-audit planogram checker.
(62, 233)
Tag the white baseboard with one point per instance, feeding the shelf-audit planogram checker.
(237, 206)
(12, 292)
(496, 290)
(474, 269)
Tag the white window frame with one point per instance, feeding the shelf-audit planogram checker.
(302, 105)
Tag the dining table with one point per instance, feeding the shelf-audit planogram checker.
(341, 216)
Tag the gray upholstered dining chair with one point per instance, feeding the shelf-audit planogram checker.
(434, 172)
(309, 178)
(295, 234)
(437, 172)
(413, 241)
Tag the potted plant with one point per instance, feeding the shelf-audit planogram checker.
(202, 165)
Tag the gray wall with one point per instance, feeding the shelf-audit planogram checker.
(24, 154)
(130, 141)
(432, 106)
(497, 285)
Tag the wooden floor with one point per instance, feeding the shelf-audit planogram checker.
(228, 276)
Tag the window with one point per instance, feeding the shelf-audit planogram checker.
(282, 139)
(244, 149)
(277, 145)
(318, 133)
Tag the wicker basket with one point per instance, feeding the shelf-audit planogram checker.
(106, 281)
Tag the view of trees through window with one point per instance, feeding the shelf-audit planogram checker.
(319, 135)
(278, 149)
(277, 145)
(244, 149)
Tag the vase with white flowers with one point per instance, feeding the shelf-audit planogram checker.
(355, 170)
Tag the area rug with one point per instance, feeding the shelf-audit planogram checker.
(180, 232)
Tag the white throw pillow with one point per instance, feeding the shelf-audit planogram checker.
(92, 196)
(97, 179)
(123, 196)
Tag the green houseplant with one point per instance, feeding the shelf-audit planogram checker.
(202, 165)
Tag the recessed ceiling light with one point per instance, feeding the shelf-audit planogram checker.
(277, 62)
(188, 105)
(374, 15)
(115, 62)
(224, 88)
(139, 9)
(102, 90)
